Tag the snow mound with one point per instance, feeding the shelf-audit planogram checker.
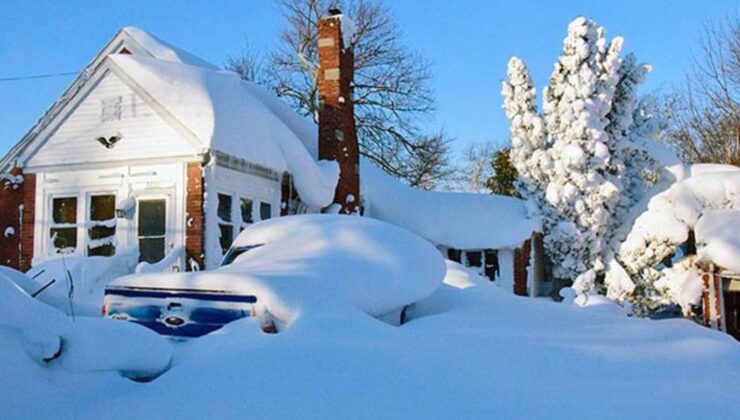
(83, 344)
(456, 220)
(320, 264)
(89, 276)
(162, 50)
(718, 238)
(239, 118)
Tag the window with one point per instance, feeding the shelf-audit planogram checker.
(246, 207)
(102, 226)
(152, 229)
(474, 258)
(491, 263)
(225, 225)
(454, 254)
(63, 231)
(265, 211)
(111, 109)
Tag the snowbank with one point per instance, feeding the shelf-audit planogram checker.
(456, 220)
(82, 344)
(239, 118)
(466, 353)
(318, 263)
(89, 276)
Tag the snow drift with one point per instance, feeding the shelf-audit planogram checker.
(319, 263)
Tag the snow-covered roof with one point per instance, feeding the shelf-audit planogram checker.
(162, 50)
(239, 118)
(456, 220)
(718, 238)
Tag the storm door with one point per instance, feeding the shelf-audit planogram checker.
(152, 229)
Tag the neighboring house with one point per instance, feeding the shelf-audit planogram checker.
(154, 148)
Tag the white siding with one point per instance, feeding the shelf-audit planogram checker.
(220, 180)
(145, 134)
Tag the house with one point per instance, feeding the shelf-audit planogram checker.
(154, 148)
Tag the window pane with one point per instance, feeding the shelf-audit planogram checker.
(63, 238)
(246, 210)
(474, 259)
(102, 207)
(265, 211)
(64, 210)
(151, 217)
(105, 251)
(453, 254)
(151, 250)
(224, 207)
(98, 232)
(491, 260)
(227, 237)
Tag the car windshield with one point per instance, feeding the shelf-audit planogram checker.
(236, 251)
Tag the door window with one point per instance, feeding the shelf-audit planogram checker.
(152, 224)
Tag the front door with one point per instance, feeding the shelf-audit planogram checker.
(152, 229)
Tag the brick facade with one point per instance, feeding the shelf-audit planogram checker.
(195, 220)
(337, 133)
(16, 205)
(521, 265)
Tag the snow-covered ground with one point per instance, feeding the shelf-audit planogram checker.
(469, 351)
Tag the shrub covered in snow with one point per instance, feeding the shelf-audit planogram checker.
(706, 204)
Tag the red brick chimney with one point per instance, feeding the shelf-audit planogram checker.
(337, 133)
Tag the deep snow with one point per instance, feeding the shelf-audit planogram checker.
(472, 352)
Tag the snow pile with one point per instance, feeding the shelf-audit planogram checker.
(301, 263)
(456, 220)
(718, 237)
(81, 345)
(239, 118)
(88, 275)
(164, 51)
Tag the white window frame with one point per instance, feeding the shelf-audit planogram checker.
(50, 224)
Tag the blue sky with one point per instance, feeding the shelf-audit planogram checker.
(468, 42)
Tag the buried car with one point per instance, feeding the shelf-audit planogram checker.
(281, 267)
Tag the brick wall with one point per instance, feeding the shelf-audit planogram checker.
(337, 133)
(16, 250)
(195, 221)
(521, 264)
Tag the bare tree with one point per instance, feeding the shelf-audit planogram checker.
(392, 97)
(706, 113)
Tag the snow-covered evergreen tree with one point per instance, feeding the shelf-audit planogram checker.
(582, 170)
(528, 154)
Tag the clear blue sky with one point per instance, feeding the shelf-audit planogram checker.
(468, 42)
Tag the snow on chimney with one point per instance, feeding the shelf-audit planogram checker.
(337, 133)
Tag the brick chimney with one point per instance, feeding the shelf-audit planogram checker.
(337, 133)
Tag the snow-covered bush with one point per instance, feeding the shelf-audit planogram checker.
(579, 163)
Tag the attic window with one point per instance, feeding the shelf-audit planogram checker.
(110, 109)
(124, 50)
